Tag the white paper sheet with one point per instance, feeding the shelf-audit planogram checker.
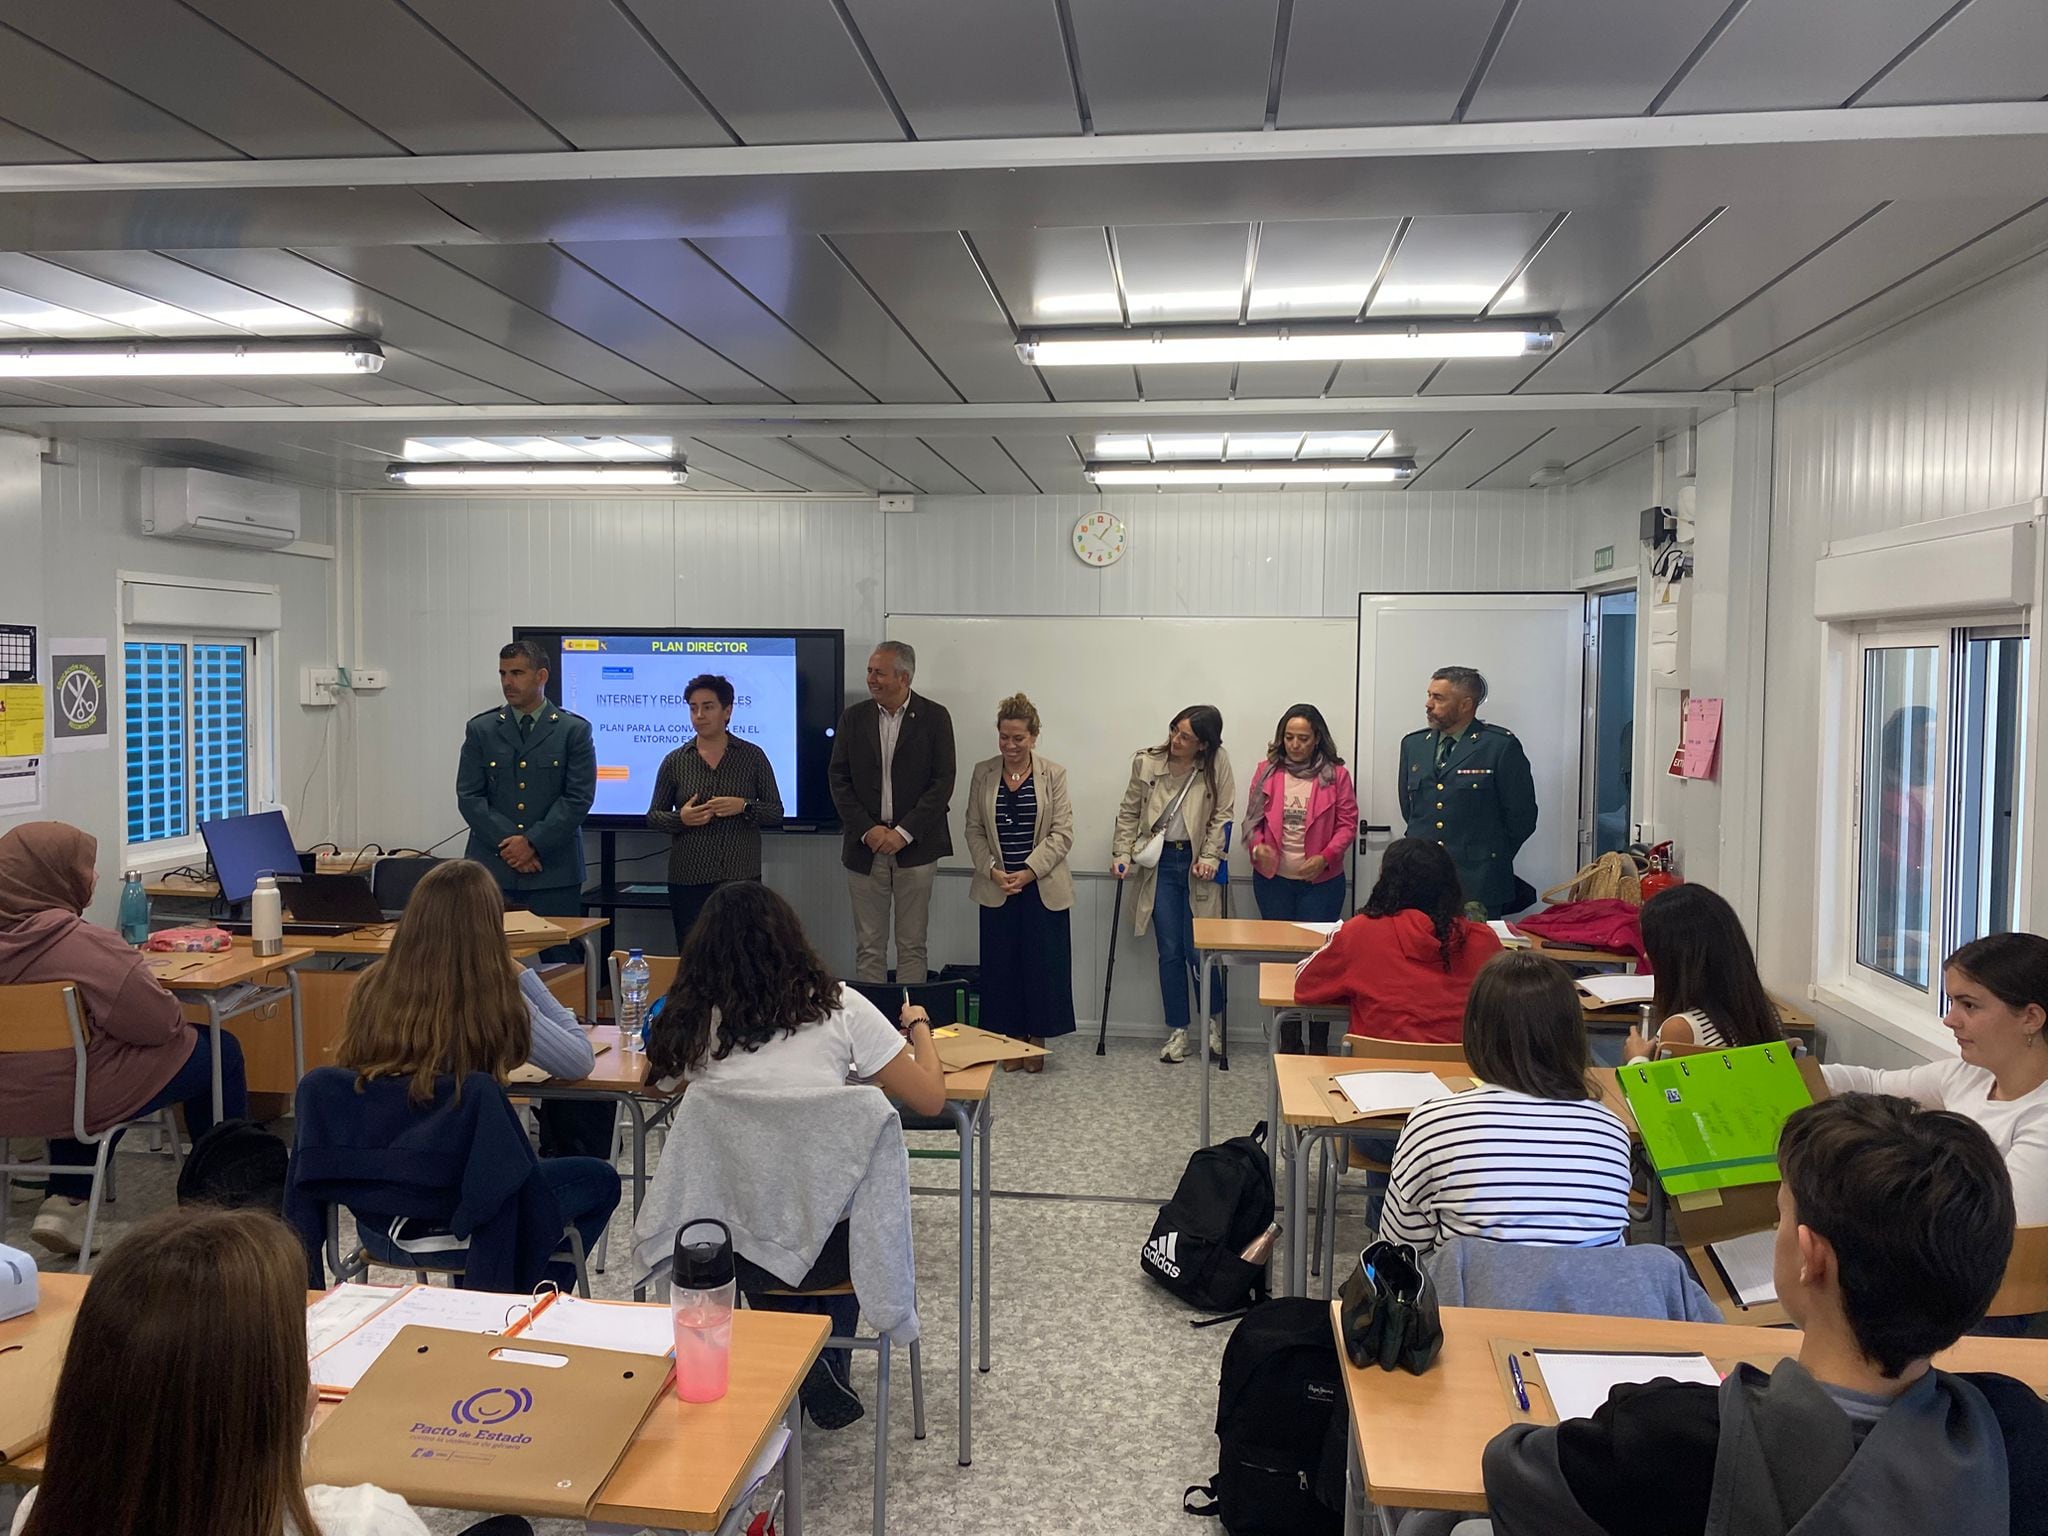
(342, 1309)
(1320, 930)
(1746, 1261)
(339, 1367)
(1508, 937)
(1611, 990)
(1579, 1383)
(639, 1328)
(1378, 1093)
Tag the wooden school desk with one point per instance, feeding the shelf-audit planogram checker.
(687, 1464)
(1240, 941)
(374, 942)
(1417, 1440)
(216, 985)
(617, 1077)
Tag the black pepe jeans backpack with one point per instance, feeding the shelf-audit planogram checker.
(1281, 1421)
(1223, 1201)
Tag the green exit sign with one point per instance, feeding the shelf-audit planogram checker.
(1603, 558)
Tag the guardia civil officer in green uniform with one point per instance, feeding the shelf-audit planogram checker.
(1466, 784)
(525, 781)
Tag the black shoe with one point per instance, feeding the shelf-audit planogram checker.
(829, 1401)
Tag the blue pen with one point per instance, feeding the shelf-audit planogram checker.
(1521, 1390)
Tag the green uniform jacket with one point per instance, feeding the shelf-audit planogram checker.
(542, 787)
(1481, 806)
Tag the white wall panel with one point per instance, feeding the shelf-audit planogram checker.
(1606, 510)
(1443, 541)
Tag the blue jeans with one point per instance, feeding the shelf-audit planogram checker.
(192, 1086)
(1173, 927)
(1298, 901)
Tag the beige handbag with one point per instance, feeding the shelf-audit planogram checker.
(1611, 877)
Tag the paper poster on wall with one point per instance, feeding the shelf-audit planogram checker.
(17, 653)
(21, 786)
(21, 720)
(1701, 740)
(78, 696)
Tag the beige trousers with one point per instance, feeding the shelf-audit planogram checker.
(887, 890)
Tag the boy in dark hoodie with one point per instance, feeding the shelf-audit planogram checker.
(1894, 1226)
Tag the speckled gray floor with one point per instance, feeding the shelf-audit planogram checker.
(1100, 1405)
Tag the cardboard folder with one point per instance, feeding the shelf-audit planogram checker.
(31, 1356)
(962, 1046)
(477, 1421)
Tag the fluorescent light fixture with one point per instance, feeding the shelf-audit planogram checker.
(517, 475)
(1265, 445)
(1247, 472)
(1342, 445)
(178, 359)
(547, 450)
(1123, 446)
(1153, 346)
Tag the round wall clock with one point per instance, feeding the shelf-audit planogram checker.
(1100, 539)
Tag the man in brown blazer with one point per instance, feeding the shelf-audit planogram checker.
(892, 780)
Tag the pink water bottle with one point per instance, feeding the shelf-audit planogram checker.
(700, 1303)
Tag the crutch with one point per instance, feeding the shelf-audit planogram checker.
(1116, 918)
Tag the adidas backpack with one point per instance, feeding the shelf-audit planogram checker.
(1281, 1421)
(1224, 1201)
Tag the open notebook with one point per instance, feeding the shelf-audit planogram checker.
(1745, 1263)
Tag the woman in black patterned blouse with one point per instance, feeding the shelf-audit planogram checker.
(713, 796)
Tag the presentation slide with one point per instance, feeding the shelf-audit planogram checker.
(630, 689)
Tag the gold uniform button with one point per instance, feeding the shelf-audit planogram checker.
(522, 785)
(1439, 825)
(522, 806)
(1439, 788)
(522, 763)
(1439, 804)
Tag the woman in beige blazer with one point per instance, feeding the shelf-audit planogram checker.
(1184, 789)
(1020, 828)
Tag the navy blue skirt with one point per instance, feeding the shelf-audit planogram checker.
(1027, 968)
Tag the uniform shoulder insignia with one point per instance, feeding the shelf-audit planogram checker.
(487, 714)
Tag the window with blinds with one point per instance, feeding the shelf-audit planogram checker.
(187, 734)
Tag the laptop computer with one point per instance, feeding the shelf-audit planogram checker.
(326, 906)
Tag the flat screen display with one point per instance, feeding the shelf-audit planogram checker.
(631, 685)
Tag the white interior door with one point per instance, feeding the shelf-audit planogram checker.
(1531, 647)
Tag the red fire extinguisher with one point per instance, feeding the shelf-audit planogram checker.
(1661, 876)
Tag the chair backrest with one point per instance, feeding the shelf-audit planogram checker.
(661, 974)
(2025, 1288)
(41, 1016)
(1402, 1050)
(392, 879)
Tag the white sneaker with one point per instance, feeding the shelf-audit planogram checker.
(60, 1225)
(1215, 1038)
(1175, 1049)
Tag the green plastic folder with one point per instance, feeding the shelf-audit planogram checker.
(1712, 1121)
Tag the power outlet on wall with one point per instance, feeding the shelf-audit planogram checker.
(319, 687)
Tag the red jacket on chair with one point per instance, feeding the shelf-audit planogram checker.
(1390, 972)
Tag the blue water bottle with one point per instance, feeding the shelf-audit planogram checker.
(134, 919)
(634, 982)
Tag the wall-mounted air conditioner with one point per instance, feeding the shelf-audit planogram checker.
(219, 509)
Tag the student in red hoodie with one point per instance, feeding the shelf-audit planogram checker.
(1406, 961)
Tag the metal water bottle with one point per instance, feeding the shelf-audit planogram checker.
(266, 917)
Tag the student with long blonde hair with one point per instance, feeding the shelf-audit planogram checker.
(447, 1001)
(193, 1333)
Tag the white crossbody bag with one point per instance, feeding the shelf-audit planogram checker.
(1153, 845)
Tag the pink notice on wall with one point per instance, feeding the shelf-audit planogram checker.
(1702, 740)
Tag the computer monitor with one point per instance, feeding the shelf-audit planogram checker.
(243, 847)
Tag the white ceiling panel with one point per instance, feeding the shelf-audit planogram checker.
(803, 282)
(1741, 252)
(1051, 462)
(983, 71)
(176, 59)
(1589, 58)
(1897, 242)
(1060, 277)
(861, 468)
(20, 147)
(1582, 268)
(543, 278)
(1799, 53)
(124, 313)
(1281, 381)
(737, 463)
(581, 66)
(1475, 453)
(1381, 377)
(1454, 264)
(1360, 63)
(380, 62)
(786, 461)
(817, 90)
(1157, 66)
(932, 286)
(58, 100)
(676, 281)
(428, 284)
(1326, 268)
(1562, 446)
(147, 275)
(919, 463)
(1177, 275)
(1991, 50)
(984, 461)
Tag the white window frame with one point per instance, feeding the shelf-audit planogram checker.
(173, 852)
(1891, 1008)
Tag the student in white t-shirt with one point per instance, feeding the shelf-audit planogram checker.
(1708, 990)
(1998, 1006)
(184, 1400)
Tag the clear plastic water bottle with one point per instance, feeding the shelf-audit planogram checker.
(134, 919)
(700, 1298)
(634, 981)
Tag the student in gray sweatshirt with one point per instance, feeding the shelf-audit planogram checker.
(1894, 1226)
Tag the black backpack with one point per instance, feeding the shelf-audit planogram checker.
(234, 1166)
(1223, 1201)
(1281, 1418)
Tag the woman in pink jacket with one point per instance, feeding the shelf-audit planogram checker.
(140, 1054)
(1302, 816)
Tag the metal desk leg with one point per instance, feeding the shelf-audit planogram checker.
(793, 1472)
(1297, 1213)
(589, 945)
(213, 1023)
(1202, 1029)
(1354, 1486)
(298, 1028)
(986, 1119)
(965, 1121)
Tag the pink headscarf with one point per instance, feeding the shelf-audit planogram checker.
(45, 866)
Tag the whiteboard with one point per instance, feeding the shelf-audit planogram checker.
(1106, 688)
(1531, 647)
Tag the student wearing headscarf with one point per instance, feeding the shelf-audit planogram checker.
(140, 1054)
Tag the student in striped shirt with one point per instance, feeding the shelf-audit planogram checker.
(1708, 991)
(1531, 1155)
